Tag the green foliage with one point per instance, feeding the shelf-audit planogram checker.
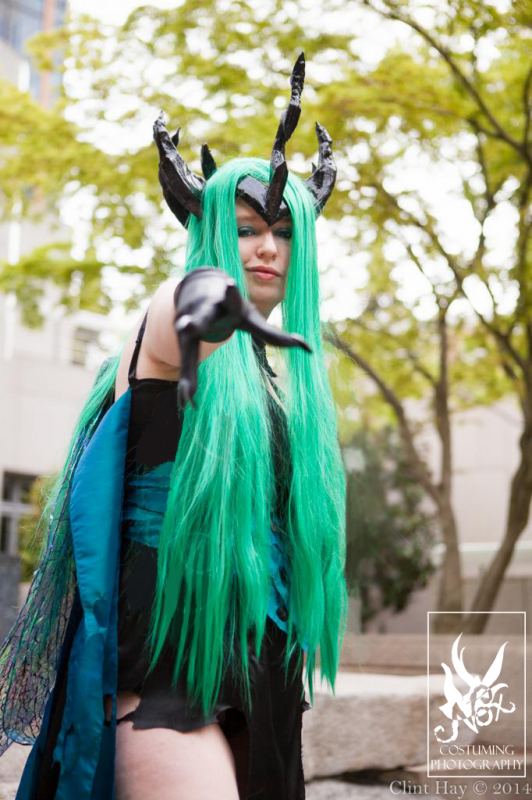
(224, 66)
(29, 540)
(440, 315)
(389, 534)
(27, 279)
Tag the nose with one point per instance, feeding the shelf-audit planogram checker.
(267, 246)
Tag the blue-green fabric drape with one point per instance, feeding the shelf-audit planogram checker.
(85, 747)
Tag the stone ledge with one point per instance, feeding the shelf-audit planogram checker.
(373, 722)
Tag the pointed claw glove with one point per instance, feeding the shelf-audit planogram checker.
(209, 307)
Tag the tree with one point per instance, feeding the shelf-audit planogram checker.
(389, 534)
(482, 113)
(454, 91)
(29, 536)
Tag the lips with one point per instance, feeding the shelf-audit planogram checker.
(266, 273)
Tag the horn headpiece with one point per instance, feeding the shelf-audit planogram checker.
(182, 189)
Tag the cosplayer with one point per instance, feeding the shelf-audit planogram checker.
(193, 545)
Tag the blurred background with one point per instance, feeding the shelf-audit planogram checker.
(425, 258)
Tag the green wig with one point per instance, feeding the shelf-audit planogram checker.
(213, 555)
(213, 573)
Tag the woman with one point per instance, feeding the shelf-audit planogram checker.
(230, 560)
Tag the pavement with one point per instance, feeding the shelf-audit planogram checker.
(338, 790)
(11, 766)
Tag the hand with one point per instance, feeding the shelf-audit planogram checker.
(209, 307)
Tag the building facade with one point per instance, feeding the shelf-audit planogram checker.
(45, 373)
(19, 21)
(485, 444)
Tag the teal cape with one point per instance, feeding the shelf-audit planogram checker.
(73, 722)
(85, 745)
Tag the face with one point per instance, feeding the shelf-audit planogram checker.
(265, 254)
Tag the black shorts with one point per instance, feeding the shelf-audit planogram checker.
(271, 732)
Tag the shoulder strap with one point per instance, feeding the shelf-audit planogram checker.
(132, 374)
(259, 348)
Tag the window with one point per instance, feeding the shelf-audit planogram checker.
(5, 533)
(84, 345)
(16, 487)
(15, 504)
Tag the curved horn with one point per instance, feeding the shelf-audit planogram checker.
(287, 126)
(182, 189)
(208, 164)
(321, 182)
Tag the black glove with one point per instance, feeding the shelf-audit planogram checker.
(209, 307)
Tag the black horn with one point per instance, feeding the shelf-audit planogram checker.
(182, 189)
(208, 164)
(323, 178)
(287, 126)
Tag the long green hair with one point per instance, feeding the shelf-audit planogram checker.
(214, 548)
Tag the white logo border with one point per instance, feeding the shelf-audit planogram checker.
(485, 777)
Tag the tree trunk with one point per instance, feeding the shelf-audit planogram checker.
(450, 587)
(518, 515)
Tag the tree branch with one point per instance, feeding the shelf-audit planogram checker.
(428, 227)
(523, 240)
(441, 409)
(412, 357)
(527, 107)
(490, 193)
(417, 466)
(468, 86)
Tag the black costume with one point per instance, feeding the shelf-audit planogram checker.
(269, 761)
(83, 629)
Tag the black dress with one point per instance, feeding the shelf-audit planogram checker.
(267, 743)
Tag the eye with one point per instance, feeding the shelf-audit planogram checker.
(246, 230)
(284, 233)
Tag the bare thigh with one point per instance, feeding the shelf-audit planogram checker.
(165, 764)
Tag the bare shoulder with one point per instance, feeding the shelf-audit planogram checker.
(161, 350)
(159, 355)
(148, 365)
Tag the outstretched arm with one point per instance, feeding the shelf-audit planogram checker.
(189, 320)
(160, 342)
(209, 308)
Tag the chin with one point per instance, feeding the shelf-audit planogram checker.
(266, 305)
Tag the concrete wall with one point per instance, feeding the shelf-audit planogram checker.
(41, 395)
(42, 389)
(485, 444)
(409, 655)
(485, 457)
(515, 595)
(41, 400)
